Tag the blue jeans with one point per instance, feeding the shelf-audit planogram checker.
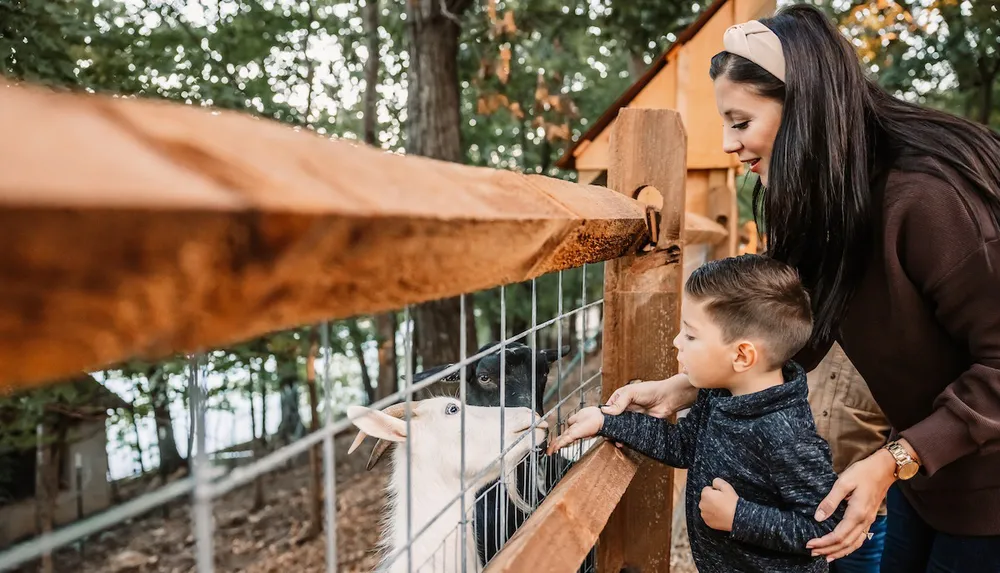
(867, 557)
(912, 546)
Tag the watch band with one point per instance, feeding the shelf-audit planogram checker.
(902, 458)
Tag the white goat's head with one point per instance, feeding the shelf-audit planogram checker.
(435, 433)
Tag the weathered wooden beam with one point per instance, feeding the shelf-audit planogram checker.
(701, 229)
(560, 534)
(723, 211)
(641, 318)
(138, 228)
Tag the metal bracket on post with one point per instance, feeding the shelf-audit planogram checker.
(653, 221)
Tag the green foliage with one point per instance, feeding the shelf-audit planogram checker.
(557, 65)
(64, 403)
(567, 62)
(943, 53)
(35, 38)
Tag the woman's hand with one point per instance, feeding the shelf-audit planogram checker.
(658, 398)
(864, 485)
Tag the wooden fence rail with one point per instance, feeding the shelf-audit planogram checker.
(139, 228)
(135, 228)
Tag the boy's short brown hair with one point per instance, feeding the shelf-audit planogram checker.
(753, 296)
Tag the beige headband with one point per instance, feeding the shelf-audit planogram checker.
(757, 43)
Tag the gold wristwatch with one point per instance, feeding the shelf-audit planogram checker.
(906, 466)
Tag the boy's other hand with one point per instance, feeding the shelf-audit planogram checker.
(718, 505)
(584, 424)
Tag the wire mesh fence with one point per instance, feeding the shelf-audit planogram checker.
(466, 468)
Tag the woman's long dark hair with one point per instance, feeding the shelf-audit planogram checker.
(839, 131)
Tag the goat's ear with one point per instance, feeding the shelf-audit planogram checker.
(378, 424)
(454, 377)
(551, 354)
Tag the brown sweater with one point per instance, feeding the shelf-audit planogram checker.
(924, 331)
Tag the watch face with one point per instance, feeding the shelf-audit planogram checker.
(906, 471)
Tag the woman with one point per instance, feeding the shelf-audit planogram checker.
(891, 214)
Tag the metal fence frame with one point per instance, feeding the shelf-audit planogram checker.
(207, 481)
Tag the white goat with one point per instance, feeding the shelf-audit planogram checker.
(435, 442)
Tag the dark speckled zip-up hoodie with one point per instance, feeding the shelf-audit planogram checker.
(766, 446)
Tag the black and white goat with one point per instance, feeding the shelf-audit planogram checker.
(483, 389)
(433, 481)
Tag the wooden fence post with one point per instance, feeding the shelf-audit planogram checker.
(722, 209)
(642, 316)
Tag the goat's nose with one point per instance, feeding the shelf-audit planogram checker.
(543, 424)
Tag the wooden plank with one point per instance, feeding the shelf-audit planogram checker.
(560, 534)
(661, 91)
(641, 318)
(699, 229)
(750, 230)
(722, 210)
(138, 228)
(594, 156)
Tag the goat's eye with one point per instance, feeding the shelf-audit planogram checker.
(451, 409)
(484, 378)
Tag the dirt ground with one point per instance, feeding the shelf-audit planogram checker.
(266, 541)
(272, 539)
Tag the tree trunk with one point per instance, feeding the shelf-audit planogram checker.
(138, 444)
(260, 444)
(170, 458)
(47, 484)
(371, 17)
(437, 334)
(986, 101)
(43, 522)
(315, 453)
(385, 323)
(388, 371)
(490, 316)
(970, 105)
(472, 341)
(291, 427)
(192, 420)
(434, 131)
(545, 151)
(253, 403)
(310, 64)
(262, 381)
(518, 322)
(636, 65)
(366, 379)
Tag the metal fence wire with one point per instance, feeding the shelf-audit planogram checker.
(464, 477)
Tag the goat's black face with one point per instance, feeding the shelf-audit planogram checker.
(483, 376)
(484, 389)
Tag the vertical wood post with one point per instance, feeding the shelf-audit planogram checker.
(642, 316)
(723, 210)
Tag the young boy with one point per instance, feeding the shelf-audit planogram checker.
(757, 469)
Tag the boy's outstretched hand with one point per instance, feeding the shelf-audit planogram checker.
(584, 424)
(718, 505)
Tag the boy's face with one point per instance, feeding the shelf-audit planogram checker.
(701, 349)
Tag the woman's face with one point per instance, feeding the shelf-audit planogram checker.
(750, 124)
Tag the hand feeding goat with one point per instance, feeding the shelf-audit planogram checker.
(434, 476)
